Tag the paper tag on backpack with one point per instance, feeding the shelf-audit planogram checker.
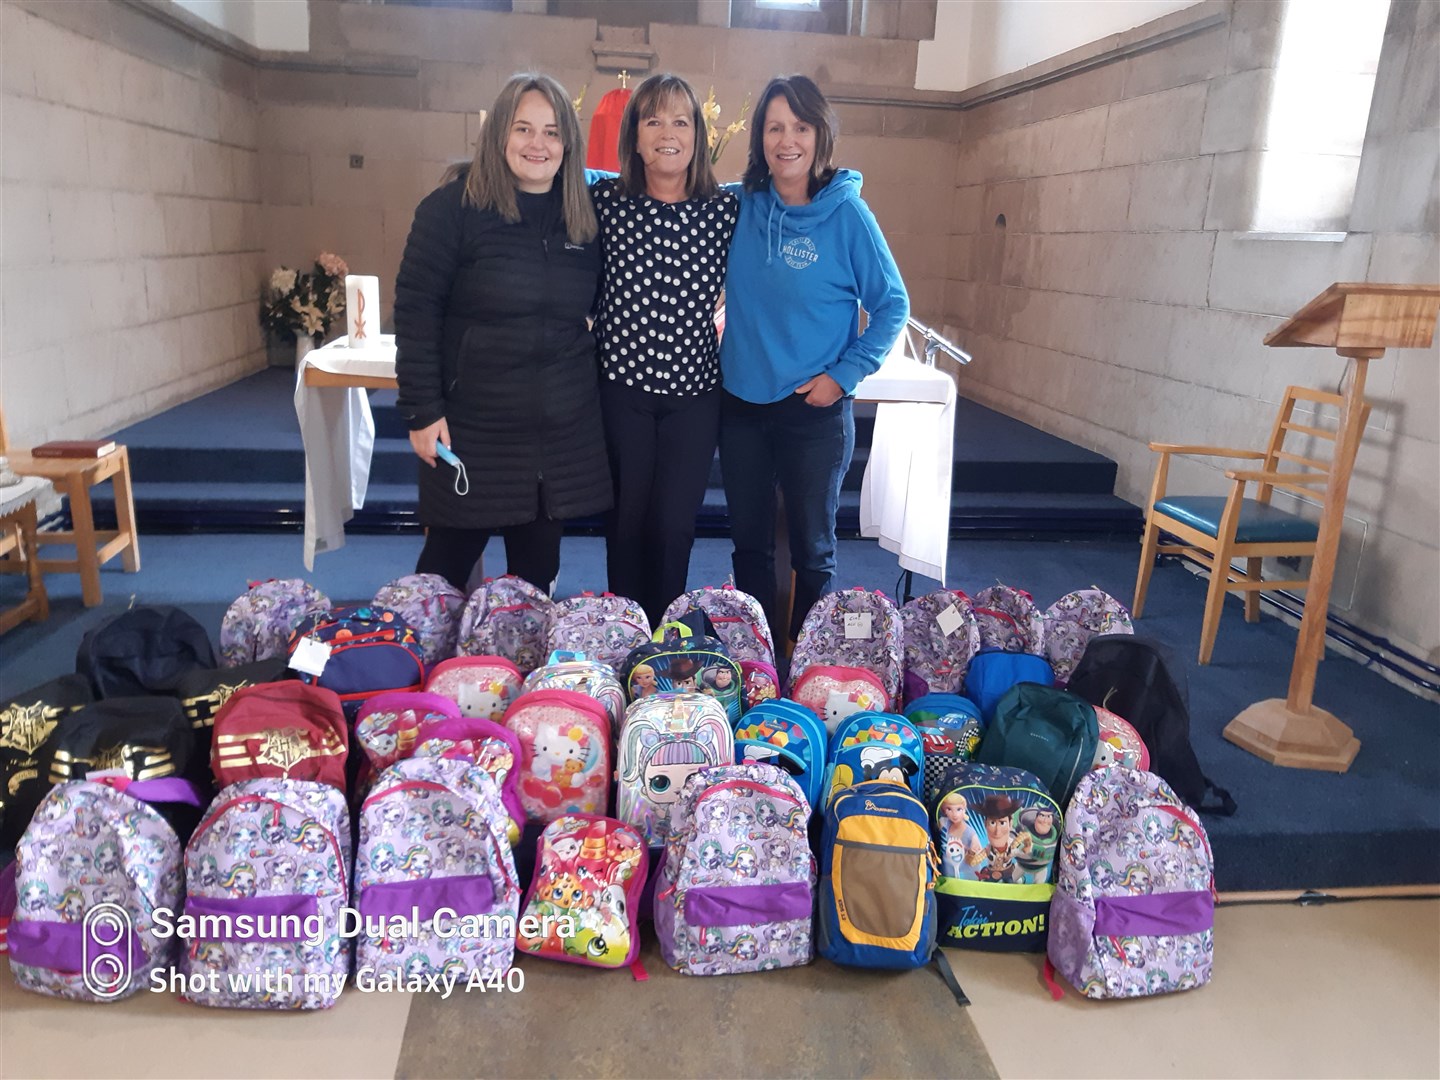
(949, 620)
(310, 657)
(857, 625)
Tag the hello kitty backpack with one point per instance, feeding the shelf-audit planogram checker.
(603, 628)
(1134, 906)
(258, 625)
(849, 656)
(572, 671)
(1073, 620)
(664, 740)
(565, 744)
(1008, 619)
(941, 636)
(481, 686)
(507, 616)
(430, 606)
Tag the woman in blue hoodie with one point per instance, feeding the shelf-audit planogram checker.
(806, 257)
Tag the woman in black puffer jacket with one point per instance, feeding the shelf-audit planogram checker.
(496, 360)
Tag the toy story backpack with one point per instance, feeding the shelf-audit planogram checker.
(685, 656)
(848, 658)
(564, 753)
(665, 739)
(875, 746)
(787, 735)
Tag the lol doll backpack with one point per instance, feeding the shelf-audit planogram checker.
(1008, 619)
(1073, 620)
(357, 652)
(484, 744)
(789, 736)
(482, 686)
(572, 671)
(681, 657)
(1134, 906)
(430, 606)
(664, 740)
(739, 621)
(875, 746)
(603, 628)
(738, 883)
(564, 753)
(507, 616)
(259, 624)
(941, 636)
(849, 656)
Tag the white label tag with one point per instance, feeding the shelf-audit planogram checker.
(949, 620)
(310, 656)
(857, 625)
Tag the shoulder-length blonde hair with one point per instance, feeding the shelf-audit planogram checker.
(490, 185)
(664, 91)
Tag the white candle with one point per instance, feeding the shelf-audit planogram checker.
(362, 310)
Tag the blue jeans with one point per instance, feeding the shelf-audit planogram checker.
(805, 451)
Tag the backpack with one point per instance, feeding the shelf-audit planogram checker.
(603, 628)
(358, 651)
(1073, 620)
(874, 746)
(1134, 905)
(591, 869)
(509, 617)
(789, 736)
(277, 851)
(480, 686)
(1140, 679)
(994, 671)
(941, 637)
(484, 744)
(259, 623)
(1008, 619)
(1120, 743)
(950, 728)
(665, 739)
(737, 618)
(433, 849)
(738, 885)
(431, 607)
(571, 671)
(1048, 732)
(564, 753)
(28, 722)
(681, 658)
(287, 730)
(997, 830)
(203, 691)
(759, 682)
(849, 646)
(95, 863)
(143, 651)
(388, 727)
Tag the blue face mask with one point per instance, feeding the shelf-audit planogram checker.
(462, 480)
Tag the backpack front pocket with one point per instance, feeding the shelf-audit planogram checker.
(879, 877)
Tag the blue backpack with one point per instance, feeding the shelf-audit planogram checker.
(994, 671)
(361, 652)
(875, 746)
(784, 733)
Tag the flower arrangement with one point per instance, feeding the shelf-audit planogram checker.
(716, 138)
(299, 304)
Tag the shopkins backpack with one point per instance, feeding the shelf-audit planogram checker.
(388, 727)
(875, 746)
(950, 727)
(1073, 620)
(259, 624)
(994, 672)
(481, 686)
(738, 885)
(1008, 619)
(1120, 743)
(286, 730)
(739, 622)
(1048, 732)
(430, 606)
(681, 657)
(789, 736)
(941, 636)
(1134, 906)
(571, 671)
(93, 866)
(507, 616)
(433, 847)
(484, 744)
(267, 849)
(849, 656)
(664, 740)
(357, 652)
(564, 753)
(583, 901)
(997, 831)
(603, 628)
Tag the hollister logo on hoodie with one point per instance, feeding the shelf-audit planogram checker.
(800, 253)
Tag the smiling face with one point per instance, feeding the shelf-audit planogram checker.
(789, 147)
(666, 141)
(534, 149)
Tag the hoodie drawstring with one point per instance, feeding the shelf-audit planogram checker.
(780, 235)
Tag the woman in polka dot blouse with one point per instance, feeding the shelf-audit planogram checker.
(665, 230)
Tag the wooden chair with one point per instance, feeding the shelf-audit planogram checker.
(1215, 529)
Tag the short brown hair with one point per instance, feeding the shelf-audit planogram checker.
(809, 104)
(649, 98)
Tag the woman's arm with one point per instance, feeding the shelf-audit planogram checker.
(882, 295)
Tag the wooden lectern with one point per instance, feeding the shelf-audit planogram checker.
(1359, 321)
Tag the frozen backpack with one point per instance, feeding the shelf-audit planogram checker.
(875, 746)
(430, 606)
(1120, 743)
(92, 869)
(484, 744)
(788, 736)
(509, 617)
(564, 740)
(739, 621)
(571, 671)
(849, 656)
(664, 740)
(388, 727)
(738, 884)
(1073, 620)
(142, 651)
(941, 636)
(285, 730)
(994, 672)
(583, 901)
(950, 728)
(258, 624)
(1134, 905)
(1048, 732)
(1008, 619)
(603, 628)
(997, 831)
(433, 849)
(357, 652)
(481, 686)
(683, 657)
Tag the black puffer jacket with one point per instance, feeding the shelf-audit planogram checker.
(490, 327)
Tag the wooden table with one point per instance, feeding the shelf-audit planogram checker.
(17, 534)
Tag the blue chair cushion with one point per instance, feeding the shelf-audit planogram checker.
(1260, 523)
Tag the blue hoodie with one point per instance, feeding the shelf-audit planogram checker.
(797, 278)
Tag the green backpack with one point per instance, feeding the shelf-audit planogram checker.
(1045, 731)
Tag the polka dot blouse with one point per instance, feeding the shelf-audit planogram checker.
(664, 269)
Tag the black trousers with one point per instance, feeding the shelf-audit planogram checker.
(661, 449)
(532, 551)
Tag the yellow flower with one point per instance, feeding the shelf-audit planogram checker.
(716, 139)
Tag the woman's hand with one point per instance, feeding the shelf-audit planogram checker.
(821, 391)
(425, 439)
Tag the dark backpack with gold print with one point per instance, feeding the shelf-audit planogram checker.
(28, 723)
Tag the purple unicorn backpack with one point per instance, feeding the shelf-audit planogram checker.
(1008, 620)
(433, 847)
(739, 622)
(509, 617)
(96, 874)
(849, 657)
(604, 628)
(941, 636)
(1134, 906)
(430, 606)
(737, 887)
(1073, 620)
(258, 624)
(277, 851)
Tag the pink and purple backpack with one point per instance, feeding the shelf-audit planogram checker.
(430, 606)
(1008, 620)
(565, 742)
(481, 686)
(849, 657)
(740, 623)
(603, 628)
(1073, 620)
(388, 727)
(485, 744)
(941, 636)
(509, 617)
(258, 624)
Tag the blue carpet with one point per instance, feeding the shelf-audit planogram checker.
(1295, 829)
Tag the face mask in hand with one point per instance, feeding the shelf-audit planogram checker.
(462, 481)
